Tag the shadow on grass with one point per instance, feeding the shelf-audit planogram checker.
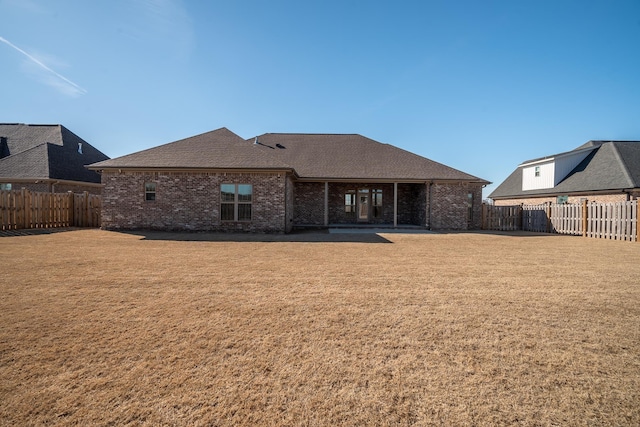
(307, 236)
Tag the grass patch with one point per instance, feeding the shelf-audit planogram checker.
(110, 328)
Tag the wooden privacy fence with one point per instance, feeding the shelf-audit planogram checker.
(26, 209)
(617, 221)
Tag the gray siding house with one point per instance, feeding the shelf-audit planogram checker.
(218, 181)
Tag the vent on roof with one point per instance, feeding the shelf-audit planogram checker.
(255, 141)
(280, 146)
(80, 147)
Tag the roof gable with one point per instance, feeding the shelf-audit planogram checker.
(218, 149)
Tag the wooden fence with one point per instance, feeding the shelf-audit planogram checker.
(24, 209)
(617, 221)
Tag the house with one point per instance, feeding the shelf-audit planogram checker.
(218, 181)
(46, 158)
(598, 171)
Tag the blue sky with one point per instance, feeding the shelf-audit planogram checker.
(478, 85)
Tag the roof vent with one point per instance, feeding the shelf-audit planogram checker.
(280, 146)
(79, 147)
(255, 141)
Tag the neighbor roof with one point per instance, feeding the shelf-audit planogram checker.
(612, 165)
(311, 156)
(45, 152)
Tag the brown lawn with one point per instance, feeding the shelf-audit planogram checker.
(103, 328)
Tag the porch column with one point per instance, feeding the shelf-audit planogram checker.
(395, 204)
(326, 203)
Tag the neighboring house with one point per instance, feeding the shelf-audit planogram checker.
(46, 158)
(598, 171)
(218, 181)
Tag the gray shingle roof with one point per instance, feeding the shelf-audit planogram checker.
(45, 151)
(218, 149)
(612, 165)
(352, 156)
(312, 156)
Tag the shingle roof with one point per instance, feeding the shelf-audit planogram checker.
(218, 149)
(45, 151)
(312, 156)
(352, 156)
(612, 165)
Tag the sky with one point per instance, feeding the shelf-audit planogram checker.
(480, 86)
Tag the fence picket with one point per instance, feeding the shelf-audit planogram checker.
(26, 209)
(616, 221)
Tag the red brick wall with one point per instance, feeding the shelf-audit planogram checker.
(189, 201)
(449, 206)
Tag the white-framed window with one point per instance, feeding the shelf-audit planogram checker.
(235, 202)
(149, 191)
(350, 201)
(536, 171)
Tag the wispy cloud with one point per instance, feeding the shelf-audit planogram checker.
(55, 79)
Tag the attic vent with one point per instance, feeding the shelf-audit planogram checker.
(280, 146)
(80, 147)
(255, 141)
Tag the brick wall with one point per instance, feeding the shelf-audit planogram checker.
(450, 206)
(189, 201)
(308, 203)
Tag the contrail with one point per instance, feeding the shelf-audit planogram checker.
(63, 78)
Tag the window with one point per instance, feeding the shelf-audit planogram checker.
(350, 202)
(377, 203)
(537, 171)
(5, 186)
(235, 202)
(562, 199)
(149, 191)
(470, 209)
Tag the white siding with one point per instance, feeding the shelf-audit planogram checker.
(546, 179)
(565, 164)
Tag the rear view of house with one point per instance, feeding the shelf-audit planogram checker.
(219, 181)
(46, 158)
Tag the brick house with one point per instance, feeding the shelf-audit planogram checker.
(46, 158)
(598, 171)
(218, 181)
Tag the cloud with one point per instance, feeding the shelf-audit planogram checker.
(51, 77)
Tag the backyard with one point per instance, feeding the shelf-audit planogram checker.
(313, 329)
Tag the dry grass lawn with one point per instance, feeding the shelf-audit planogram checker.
(103, 328)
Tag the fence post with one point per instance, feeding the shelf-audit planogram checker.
(86, 214)
(72, 220)
(637, 220)
(585, 220)
(548, 209)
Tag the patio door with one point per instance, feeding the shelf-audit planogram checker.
(363, 205)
